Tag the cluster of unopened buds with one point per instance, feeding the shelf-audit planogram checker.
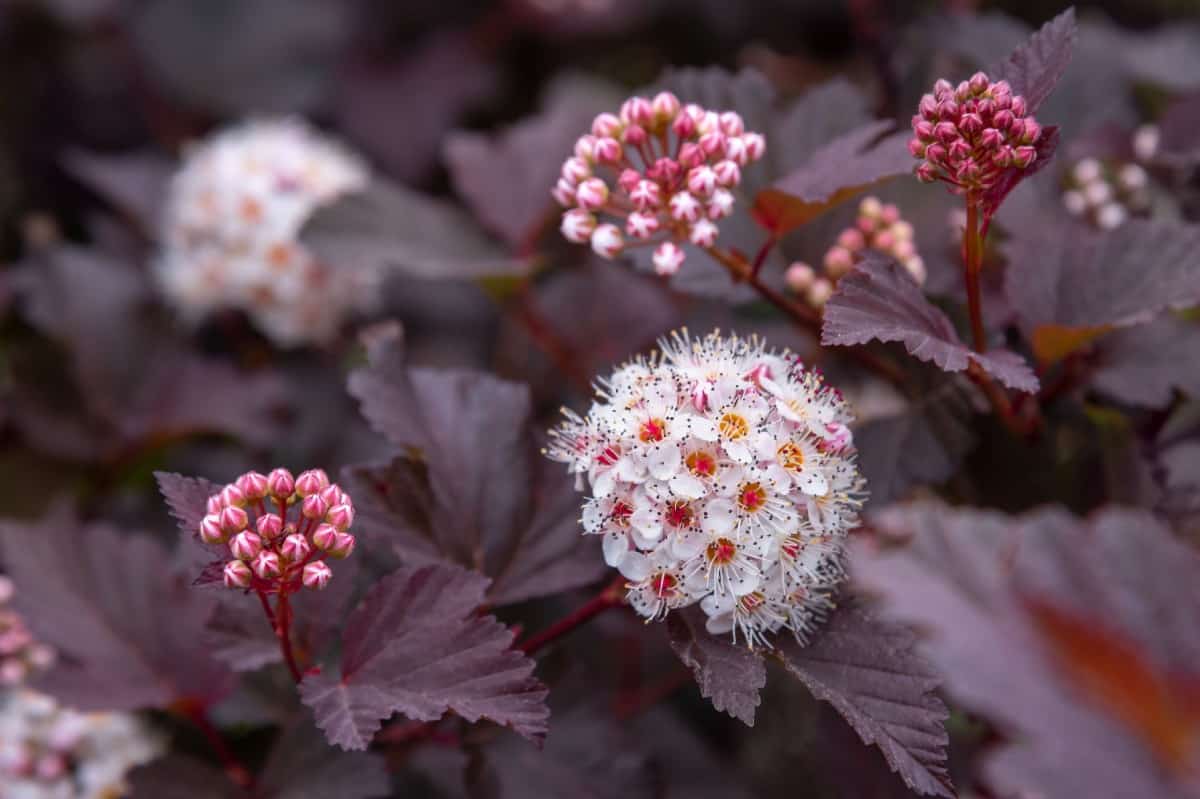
(720, 473)
(663, 170)
(878, 226)
(231, 227)
(970, 135)
(51, 752)
(273, 552)
(1106, 193)
(20, 653)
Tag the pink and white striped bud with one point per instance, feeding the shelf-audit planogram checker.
(245, 545)
(646, 195)
(799, 276)
(606, 125)
(889, 214)
(575, 169)
(838, 261)
(213, 504)
(690, 155)
(713, 144)
(314, 507)
(728, 173)
(634, 136)
(720, 204)
(756, 145)
(668, 257)
(637, 111)
(316, 575)
(607, 150)
(928, 107)
(252, 485)
(237, 575)
(577, 226)
(232, 496)
(731, 123)
(642, 225)
(592, 194)
(684, 207)
(884, 240)
(736, 151)
(628, 179)
(684, 126)
(702, 180)
(341, 516)
(295, 548)
(1024, 156)
(585, 147)
(665, 107)
(333, 495)
(563, 193)
(266, 565)
(819, 292)
(233, 520)
(280, 483)
(703, 233)
(325, 536)
(269, 526)
(607, 241)
(343, 545)
(310, 482)
(210, 529)
(852, 239)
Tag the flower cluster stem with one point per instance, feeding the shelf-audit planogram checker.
(237, 772)
(612, 596)
(973, 266)
(281, 623)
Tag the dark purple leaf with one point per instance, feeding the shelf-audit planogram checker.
(416, 646)
(390, 227)
(868, 671)
(1142, 365)
(879, 301)
(124, 625)
(186, 497)
(834, 174)
(134, 183)
(1036, 66)
(1046, 147)
(484, 511)
(1068, 634)
(730, 676)
(181, 777)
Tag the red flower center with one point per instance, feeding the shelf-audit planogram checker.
(720, 552)
(701, 463)
(664, 585)
(751, 496)
(652, 430)
(680, 514)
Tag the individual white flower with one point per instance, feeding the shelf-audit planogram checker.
(231, 226)
(720, 473)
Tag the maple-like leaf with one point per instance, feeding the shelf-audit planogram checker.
(879, 301)
(124, 625)
(1141, 365)
(1079, 638)
(473, 501)
(416, 646)
(867, 669)
(134, 183)
(1034, 68)
(729, 676)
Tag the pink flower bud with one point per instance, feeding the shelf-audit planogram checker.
(324, 536)
(342, 546)
(316, 575)
(665, 106)
(629, 179)
(295, 548)
(728, 173)
(756, 146)
(253, 485)
(1024, 156)
(890, 214)
(233, 520)
(245, 545)
(1002, 120)
(926, 173)
(314, 507)
(947, 110)
(928, 107)
(210, 529)
(634, 136)
(731, 123)
(576, 169)
(646, 195)
(607, 151)
(637, 111)
(819, 292)
(607, 241)
(970, 124)
(959, 150)
(214, 504)
(1018, 106)
(720, 204)
(266, 565)
(962, 91)
(237, 574)
(577, 225)
(280, 483)
(838, 261)
(585, 147)
(592, 194)
(990, 138)
(703, 233)
(341, 516)
(563, 193)
(665, 170)
(942, 87)
(684, 126)
(713, 144)
(922, 129)
(606, 126)
(690, 155)
(968, 171)
(313, 481)
(945, 132)
(916, 148)
(935, 154)
(1003, 157)
(799, 276)
(852, 239)
(979, 83)
(232, 496)
(269, 526)
(668, 257)
(883, 241)
(702, 180)
(641, 225)
(903, 250)
(1032, 130)
(735, 151)
(684, 207)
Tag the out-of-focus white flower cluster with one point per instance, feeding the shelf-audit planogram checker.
(1108, 192)
(231, 225)
(50, 752)
(879, 227)
(720, 473)
(665, 169)
(20, 654)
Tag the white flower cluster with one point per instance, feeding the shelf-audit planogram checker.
(1106, 193)
(231, 225)
(721, 473)
(50, 752)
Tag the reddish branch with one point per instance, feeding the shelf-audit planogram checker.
(612, 596)
(237, 772)
(281, 623)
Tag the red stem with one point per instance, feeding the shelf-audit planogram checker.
(612, 596)
(761, 257)
(237, 772)
(973, 263)
(283, 631)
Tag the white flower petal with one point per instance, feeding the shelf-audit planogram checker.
(664, 460)
(635, 566)
(688, 486)
(616, 547)
(719, 518)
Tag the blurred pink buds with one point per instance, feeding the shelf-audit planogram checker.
(237, 574)
(317, 575)
(314, 481)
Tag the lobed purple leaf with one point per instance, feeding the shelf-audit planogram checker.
(1034, 68)
(729, 676)
(1141, 365)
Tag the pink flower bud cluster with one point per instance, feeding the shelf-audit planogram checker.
(1106, 193)
(231, 226)
(878, 226)
(659, 174)
(20, 654)
(271, 552)
(968, 136)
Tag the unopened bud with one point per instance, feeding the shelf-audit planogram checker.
(691, 155)
(342, 546)
(703, 233)
(341, 516)
(233, 520)
(577, 225)
(214, 504)
(684, 207)
(799, 277)
(702, 181)
(266, 565)
(592, 194)
(575, 169)
(637, 111)
(316, 575)
(280, 483)
(325, 536)
(756, 146)
(1023, 156)
(634, 135)
(838, 261)
(607, 241)
(720, 204)
(646, 195)
(314, 507)
(978, 83)
(852, 239)
(606, 126)
(232, 496)
(269, 526)
(253, 485)
(668, 257)
(245, 545)
(237, 574)
(295, 548)
(210, 529)
(310, 482)
(642, 225)
(607, 150)
(819, 292)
